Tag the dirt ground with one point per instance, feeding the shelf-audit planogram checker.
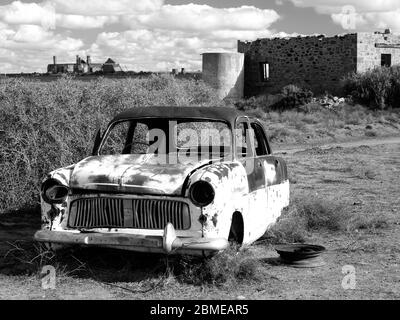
(363, 176)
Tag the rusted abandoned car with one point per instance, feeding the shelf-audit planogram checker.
(184, 180)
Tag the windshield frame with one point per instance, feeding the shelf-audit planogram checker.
(112, 124)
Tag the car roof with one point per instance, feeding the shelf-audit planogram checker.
(227, 114)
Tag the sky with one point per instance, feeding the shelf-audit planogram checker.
(159, 35)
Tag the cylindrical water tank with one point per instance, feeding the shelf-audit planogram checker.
(225, 73)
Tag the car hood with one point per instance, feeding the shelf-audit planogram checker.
(139, 174)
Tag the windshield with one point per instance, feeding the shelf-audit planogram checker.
(189, 137)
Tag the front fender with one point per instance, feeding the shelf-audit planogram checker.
(229, 180)
(53, 215)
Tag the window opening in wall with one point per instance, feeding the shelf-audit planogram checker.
(386, 60)
(264, 71)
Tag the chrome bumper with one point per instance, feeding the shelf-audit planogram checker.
(167, 243)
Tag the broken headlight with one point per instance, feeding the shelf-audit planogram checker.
(201, 193)
(54, 192)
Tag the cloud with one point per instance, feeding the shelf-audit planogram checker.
(27, 48)
(35, 37)
(106, 7)
(158, 50)
(195, 17)
(335, 6)
(74, 14)
(26, 13)
(368, 15)
(70, 21)
(372, 20)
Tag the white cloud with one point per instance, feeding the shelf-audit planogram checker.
(106, 7)
(203, 18)
(368, 15)
(26, 13)
(335, 6)
(35, 37)
(28, 48)
(31, 34)
(71, 21)
(158, 50)
(373, 21)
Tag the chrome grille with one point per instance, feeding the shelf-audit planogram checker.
(128, 213)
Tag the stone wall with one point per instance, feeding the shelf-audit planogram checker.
(316, 62)
(371, 46)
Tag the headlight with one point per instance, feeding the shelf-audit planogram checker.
(201, 193)
(53, 191)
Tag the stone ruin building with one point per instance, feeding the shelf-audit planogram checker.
(316, 62)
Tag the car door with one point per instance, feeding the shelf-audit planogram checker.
(245, 151)
(264, 170)
(275, 175)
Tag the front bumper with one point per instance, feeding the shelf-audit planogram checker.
(168, 243)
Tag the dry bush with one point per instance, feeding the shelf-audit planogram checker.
(227, 267)
(25, 258)
(291, 97)
(306, 215)
(376, 88)
(51, 125)
(369, 223)
(323, 214)
(290, 228)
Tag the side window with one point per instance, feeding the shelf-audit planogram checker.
(260, 143)
(264, 71)
(386, 60)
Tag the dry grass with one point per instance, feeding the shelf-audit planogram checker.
(316, 123)
(306, 216)
(228, 267)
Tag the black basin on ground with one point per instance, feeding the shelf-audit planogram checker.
(301, 255)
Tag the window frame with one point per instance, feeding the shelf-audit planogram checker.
(264, 134)
(111, 125)
(250, 146)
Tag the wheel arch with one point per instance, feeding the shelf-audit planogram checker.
(236, 231)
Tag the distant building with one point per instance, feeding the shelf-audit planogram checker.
(110, 66)
(82, 66)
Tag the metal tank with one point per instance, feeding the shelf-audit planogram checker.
(225, 73)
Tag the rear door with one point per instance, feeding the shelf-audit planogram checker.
(275, 175)
(264, 173)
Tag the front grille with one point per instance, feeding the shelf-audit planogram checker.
(104, 212)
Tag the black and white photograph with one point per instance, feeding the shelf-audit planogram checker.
(221, 153)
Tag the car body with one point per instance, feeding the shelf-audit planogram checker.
(184, 180)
